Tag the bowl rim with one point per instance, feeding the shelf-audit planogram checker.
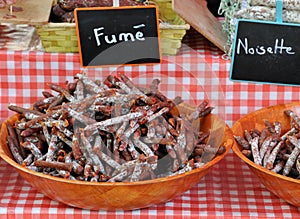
(228, 138)
(237, 151)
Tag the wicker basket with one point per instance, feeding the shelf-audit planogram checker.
(61, 37)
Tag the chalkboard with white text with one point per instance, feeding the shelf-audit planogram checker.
(118, 35)
(266, 52)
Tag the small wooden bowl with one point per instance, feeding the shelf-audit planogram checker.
(283, 187)
(117, 195)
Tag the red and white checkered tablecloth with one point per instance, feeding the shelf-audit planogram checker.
(229, 190)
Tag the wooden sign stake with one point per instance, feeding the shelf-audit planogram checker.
(116, 3)
(196, 13)
(279, 7)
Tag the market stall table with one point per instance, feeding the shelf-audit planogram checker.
(228, 190)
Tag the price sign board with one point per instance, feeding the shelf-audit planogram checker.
(118, 35)
(267, 52)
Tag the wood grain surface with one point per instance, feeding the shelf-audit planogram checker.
(34, 12)
(196, 13)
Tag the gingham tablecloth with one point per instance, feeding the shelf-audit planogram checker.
(229, 190)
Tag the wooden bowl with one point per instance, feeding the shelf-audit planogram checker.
(114, 195)
(283, 187)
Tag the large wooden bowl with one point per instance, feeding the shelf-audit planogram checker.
(119, 195)
(283, 187)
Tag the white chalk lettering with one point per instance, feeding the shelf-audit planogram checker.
(132, 36)
(139, 26)
(282, 48)
(112, 40)
(260, 50)
(278, 48)
(126, 37)
(270, 50)
(140, 36)
(251, 51)
(244, 46)
(97, 34)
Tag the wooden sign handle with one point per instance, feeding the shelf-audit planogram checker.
(196, 13)
(116, 3)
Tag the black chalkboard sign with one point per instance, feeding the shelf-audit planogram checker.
(266, 52)
(118, 35)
